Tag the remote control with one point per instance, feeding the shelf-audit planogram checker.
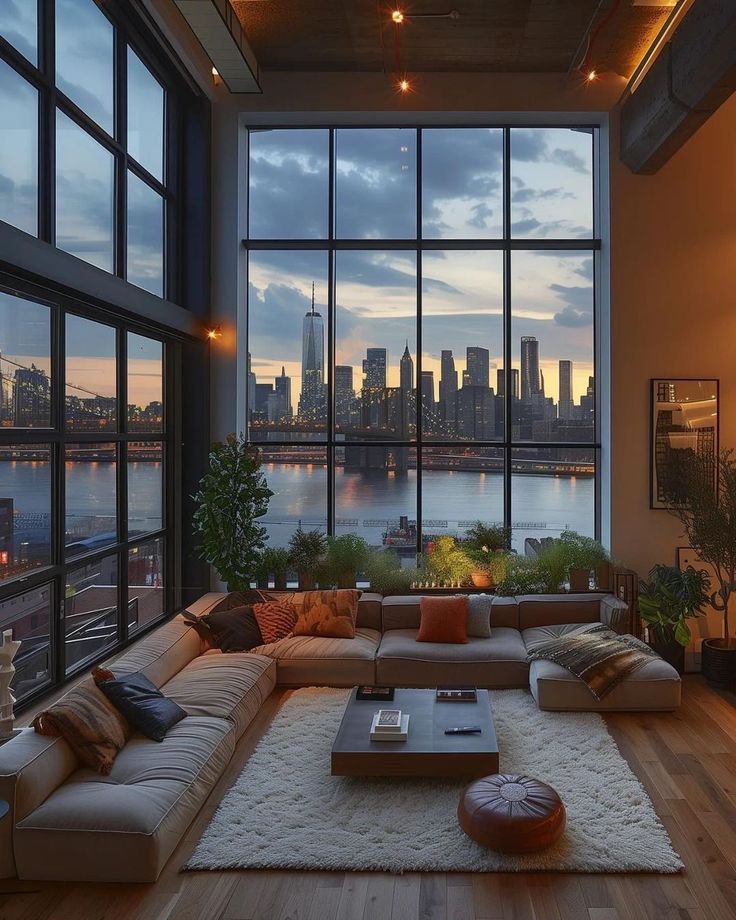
(464, 730)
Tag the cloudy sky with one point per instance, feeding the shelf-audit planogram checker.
(462, 291)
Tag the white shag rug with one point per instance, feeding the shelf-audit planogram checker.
(285, 810)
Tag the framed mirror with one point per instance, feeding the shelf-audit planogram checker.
(684, 420)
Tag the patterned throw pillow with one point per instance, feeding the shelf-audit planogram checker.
(328, 613)
(90, 725)
(275, 621)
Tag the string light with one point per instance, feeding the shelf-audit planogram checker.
(591, 76)
(397, 16)
(214, 333)
(403, 85)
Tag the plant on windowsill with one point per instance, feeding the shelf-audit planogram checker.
(584, 555)
(666, 602)
(486, 545)
(232, 495)
(522, 576)
(704, 501)
(346, 556)
(447, 564)
(273, 561)
(307, 550)
(386, 575)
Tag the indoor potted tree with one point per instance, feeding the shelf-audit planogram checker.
(703, 498)
(232, 495)
(274, 561)
(346, 556)
(666, 602)
(482, 543)
(307, 549)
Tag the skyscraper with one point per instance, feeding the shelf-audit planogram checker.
(344, 394)
(32, 402)
(312, 402)
(406, 371)
(530, 379)
(477, 362)
(565, 402)
(283, 392)
(428, 413)
(374, 369)
(501, 382)
(448, 389)
(251, 385)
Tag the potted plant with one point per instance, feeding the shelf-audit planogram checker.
(482, 543)
(703, 498)
(232, 495)
(274, 561)
(447, 564)
(307, 549)
(553, 566)
(584, 555)
(386, 575)
(522, 576)
(666, 602)
(346, 556)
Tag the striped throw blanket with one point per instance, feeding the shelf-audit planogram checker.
(600, 657)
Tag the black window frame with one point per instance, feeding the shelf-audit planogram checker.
(58, 436)
(507, 244)
(43, 79)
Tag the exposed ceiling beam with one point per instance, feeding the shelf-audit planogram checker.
(694, 74)
(219, 32)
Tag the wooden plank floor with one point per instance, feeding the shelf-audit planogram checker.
(686, 760)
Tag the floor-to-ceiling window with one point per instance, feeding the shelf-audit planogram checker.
(90, 162)
(421, 329)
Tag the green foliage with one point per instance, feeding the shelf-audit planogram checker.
(307, 549)
(447, 563)
(522, 576)
(346, 554)
(582, 552)
(670, 598)
(232, 495)
(385, 574)
(553, 565)
(484, 539)
(273, 561)
(705, 503)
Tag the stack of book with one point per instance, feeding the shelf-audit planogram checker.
(390, 725)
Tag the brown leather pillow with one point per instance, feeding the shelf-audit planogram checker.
(328, 614)
(444, 619)
(89, 723)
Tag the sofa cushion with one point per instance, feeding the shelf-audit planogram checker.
(402, 612)
(444, 619)
(369, 606)
(497, 662)
(275, 619)
(125, 825)
(553, 609)
(163, 652)
(479, 615)
(655, 686)
(235, 629)
(318, 660)
(227, 686)
(140, 702)
(330, 614)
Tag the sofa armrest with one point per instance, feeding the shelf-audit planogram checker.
(205, 603)
(32, 766)
(615, 614)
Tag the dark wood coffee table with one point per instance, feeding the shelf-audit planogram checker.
(428, 750)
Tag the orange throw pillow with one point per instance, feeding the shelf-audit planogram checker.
(444, 619)
(328, 613)
(275, 621)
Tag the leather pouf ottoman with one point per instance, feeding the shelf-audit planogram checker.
(513, 814)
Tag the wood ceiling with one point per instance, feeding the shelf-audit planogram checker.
(533, 36)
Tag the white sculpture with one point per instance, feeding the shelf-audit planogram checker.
(8, 651)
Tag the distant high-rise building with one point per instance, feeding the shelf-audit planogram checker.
(476, 413)
(406, 371)
(374, 369)
(251, 386)
(565, 401)
(587, 402)
(501, 382)
(283, 392)
(448, 389)
(260, 408)
(31, 397)
(478, 365)
(531, 383)
(344, 394)
(428, 413)
(313, 402)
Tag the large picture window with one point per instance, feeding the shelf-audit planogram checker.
(86, 474)
(421, 330)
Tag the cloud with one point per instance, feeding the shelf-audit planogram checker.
(570, 159)
(572, 317)
(581, 297)
(526, 194)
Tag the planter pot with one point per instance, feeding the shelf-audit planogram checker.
(718, 662)
(579, 581)
(306, 581)
(279, 582)
(672, 652)
(481, 579)
(346, 580)
(604, 576)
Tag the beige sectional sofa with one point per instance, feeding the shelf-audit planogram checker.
(67, 822)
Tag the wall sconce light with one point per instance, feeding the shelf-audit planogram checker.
(214, 334)
(216, 78)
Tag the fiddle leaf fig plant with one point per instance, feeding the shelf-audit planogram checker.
(232, 495)
(670, 598)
